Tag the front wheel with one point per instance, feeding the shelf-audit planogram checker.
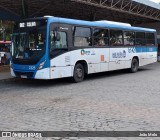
(134, 65)
(78, 74)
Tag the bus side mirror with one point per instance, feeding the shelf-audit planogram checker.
(55, 36)
(58, 37)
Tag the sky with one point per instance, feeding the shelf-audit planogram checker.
(157, 1)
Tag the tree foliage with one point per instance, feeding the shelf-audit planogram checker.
(8, 27)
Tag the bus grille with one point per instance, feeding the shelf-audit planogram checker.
(27, 74)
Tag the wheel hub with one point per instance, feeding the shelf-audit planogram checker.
(79, 72)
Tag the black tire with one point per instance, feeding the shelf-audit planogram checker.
(78, 73)
(134, 65)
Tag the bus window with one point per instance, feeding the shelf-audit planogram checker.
(58, 40)
(140, 38)
(82, 37)
(100, 37)
(129, 38)
(116, 38)
(150, 39)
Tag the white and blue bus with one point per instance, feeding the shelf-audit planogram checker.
(53, 47)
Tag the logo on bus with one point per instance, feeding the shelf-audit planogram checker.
(119, 54)
(83, 52)
(132, 50)
(32, 67)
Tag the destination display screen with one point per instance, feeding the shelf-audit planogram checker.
(29, 24)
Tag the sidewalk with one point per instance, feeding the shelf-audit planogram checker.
(5, 72)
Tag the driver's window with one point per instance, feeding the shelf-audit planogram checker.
(58, 39)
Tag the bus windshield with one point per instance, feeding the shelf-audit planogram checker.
(28, 46)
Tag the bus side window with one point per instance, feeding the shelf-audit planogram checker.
(129, 38)
(116, 37)
(58, 39)
(100, 37)
(140, 38)
(82, 36)
(150, 39)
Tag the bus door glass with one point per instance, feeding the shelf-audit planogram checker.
(59, 55)
(58, 39)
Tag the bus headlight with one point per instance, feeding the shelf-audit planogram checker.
(41, 65)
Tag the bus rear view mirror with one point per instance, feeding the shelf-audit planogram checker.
(55, 36)
(58, 37)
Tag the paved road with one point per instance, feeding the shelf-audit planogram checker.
(5, 75)
(118, 101)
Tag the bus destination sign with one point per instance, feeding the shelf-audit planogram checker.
(27, 24)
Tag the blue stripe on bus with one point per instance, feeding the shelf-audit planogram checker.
(146, 49)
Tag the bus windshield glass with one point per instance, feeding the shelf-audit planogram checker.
(28, 45)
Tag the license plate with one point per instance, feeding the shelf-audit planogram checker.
(23, 76)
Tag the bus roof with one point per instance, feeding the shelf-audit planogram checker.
(103, 24)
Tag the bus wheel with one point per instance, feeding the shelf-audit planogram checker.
(78, 74)
(134, 65)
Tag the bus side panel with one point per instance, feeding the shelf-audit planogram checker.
(151, 54)
(43, 74)
(96, 58)
(60, 72)
(104, 59)
(146, 54)
(117, 59)
(141, 52)
(61, 66)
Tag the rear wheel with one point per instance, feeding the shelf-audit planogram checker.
(134, 65)
(78, 74)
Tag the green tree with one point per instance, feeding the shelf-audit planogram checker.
(8, 27)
